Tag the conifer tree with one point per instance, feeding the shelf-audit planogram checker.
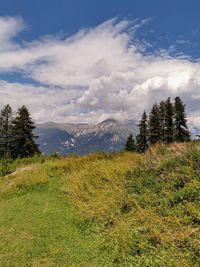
(180, 123)
(162, 117)
(142, 138)
(25, 145)
(130, 144)
(154, 125)
(6, 133)
(169, 130)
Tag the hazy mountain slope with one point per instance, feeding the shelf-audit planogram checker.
(66, 138)
(52, 139)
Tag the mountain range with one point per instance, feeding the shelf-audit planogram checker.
(67, 138)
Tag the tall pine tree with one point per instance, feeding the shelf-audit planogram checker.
(180, 123)
(162, 117)
(6, 131)
(154, 125)
(130, 144)
(25, 145)
(169, 130)
(142, 138)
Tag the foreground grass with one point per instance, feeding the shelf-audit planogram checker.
(121, 209)
(38, 230)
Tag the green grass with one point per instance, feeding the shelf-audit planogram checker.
(123, 209)
(39, 229)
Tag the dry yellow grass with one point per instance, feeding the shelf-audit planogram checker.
(96, 186)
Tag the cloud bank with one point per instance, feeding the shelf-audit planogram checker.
(95, 74)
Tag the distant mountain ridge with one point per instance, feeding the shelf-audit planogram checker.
(68, 138)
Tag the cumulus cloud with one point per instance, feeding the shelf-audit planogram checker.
(44, 103)
(76, 60)
(97, 73)
(9, 28)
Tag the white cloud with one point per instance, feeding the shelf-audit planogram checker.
(194, 121)
(9, 28)
(44, 103)
(95, 74)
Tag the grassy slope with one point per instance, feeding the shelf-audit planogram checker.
(37, 227)
(104, 210)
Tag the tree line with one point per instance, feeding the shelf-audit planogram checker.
(166, 123)
(16, 133)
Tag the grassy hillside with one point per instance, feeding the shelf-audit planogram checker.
(123, 209)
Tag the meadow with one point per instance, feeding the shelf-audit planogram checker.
(118, 209)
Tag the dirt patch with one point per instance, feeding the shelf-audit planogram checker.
(19, 170)
(9, 185)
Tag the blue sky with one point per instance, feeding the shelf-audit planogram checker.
(85, 61)
(170, 20)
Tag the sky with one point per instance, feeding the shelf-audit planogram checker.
(85, 61)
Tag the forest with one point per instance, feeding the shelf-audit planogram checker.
(16, 133)
(166, 123)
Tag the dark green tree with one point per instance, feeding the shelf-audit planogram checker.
(6, 131)
(130, 144)
(25, 145)
(169, 128)
(154, 125)
(162, 117)
(181, 131)
(142, 137)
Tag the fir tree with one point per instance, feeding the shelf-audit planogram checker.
(162, 117)
(180, 123)
(6, 133)
(25, 145)
(169, 130)
(142, 138)
(154, 125)
(130, 144)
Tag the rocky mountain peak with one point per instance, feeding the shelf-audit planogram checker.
(65, 138)
(109, 123)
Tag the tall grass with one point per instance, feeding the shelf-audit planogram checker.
(142, 208)
(145, 208)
